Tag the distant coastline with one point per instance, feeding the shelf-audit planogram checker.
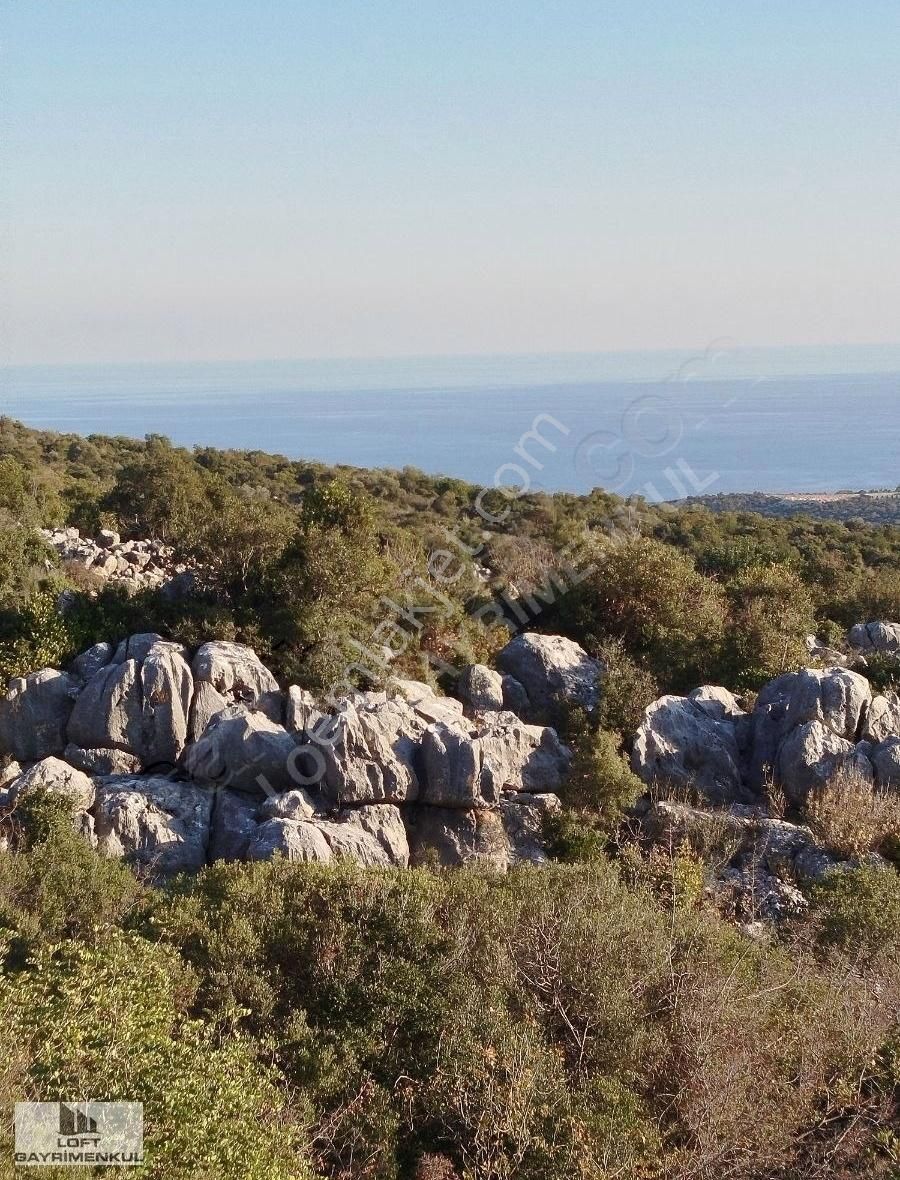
(681, 425)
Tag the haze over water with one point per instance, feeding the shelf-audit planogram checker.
(662, 424)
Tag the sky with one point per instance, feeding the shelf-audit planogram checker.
(240, 179)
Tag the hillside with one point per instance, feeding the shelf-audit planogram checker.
(875, 508)
(366, 824)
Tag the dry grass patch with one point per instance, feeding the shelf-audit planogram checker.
(851, 817)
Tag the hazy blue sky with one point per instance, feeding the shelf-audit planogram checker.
(261, 178)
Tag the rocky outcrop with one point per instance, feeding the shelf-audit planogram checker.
(102, 761)
(141, 565)
(883, 718)
(34, 714)
(374, 754)
(481, 688)
(58, 778)
(878, 636)
(758, 865)
(426, 703)
(805, 728)
(239, 677)
(160, 825)
(811, 755)
(173, 762)
(886, 760)
(297, 841)
(472, 768)
(138, 703)
(554, 672)
(683, 743)
(244, 751)
(92, 660)
(296, 826)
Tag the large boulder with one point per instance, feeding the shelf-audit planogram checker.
(91, 661)
(384, 824)
(107, 712)
(292, 839)
(883, 718)
(554, 671)
(452, 760)
(836, 698)
(102, 761)
(373, 752)
(471, 769)
(770, 725)
(34, 714)
(426, 703)
(886, 760)
(811, 755)
(166, 689)
(295, 825)
(450, 837)
(375, 842)
(154, 822)
(58, 778)
(302, 713)
(138, 703)
(207, 703)
(681, 743)
(481, 688)
(245, 751)
(238, 675)
(875, 637)
(233, 824)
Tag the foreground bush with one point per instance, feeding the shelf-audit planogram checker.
(851, 817)
(290, 1020)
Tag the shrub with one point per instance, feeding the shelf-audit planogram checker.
(858, 910)
(106, 1023)
(650, 597)
(851, 817)
(628, 689)
(770, 612)
(600, 781)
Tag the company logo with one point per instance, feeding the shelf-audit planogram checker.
(74, 1121)
(94, 1134)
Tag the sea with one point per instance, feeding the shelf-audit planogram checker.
(663, 425)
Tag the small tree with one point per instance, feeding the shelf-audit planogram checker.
(651, 597)
(770, 611)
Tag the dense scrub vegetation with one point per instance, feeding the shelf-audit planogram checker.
(585, 1020)
(594, 1018)
(875, 507)
(320, 568)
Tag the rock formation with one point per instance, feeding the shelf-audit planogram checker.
(804, 728)
(175, 760)
(141, 565)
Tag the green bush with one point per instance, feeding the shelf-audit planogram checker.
(770, 612)
(859, 911)
(651, 598)
(107, 1023)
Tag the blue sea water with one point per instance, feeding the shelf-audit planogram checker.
(663, 425)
